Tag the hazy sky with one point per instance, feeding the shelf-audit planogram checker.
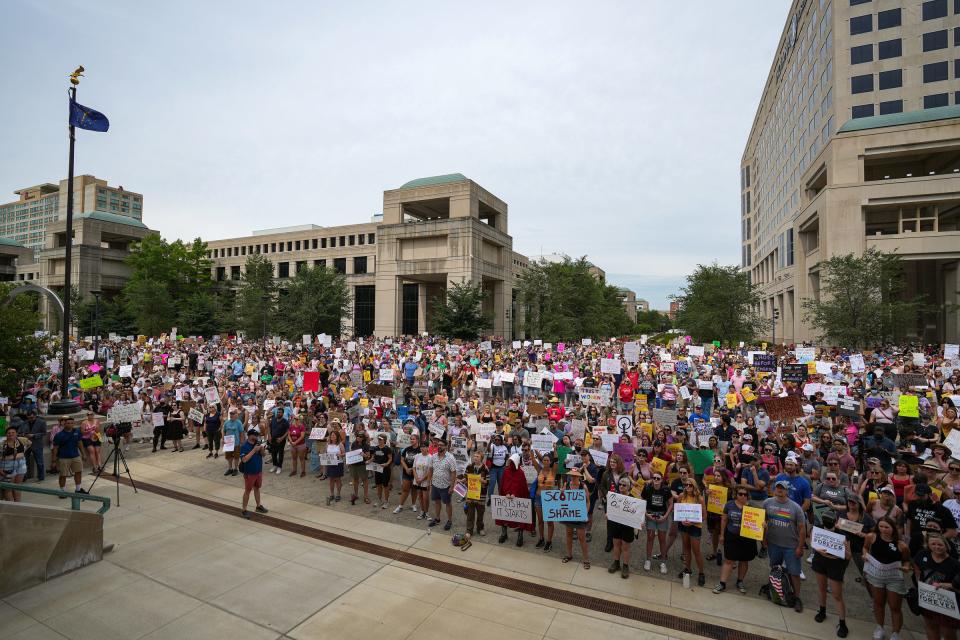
(612, 129)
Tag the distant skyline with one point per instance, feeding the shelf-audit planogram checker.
(612, 131)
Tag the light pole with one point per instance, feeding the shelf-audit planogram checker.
(96, 326)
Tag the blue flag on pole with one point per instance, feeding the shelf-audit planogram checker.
(86, 118)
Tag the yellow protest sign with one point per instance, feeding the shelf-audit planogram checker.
(936, 493)
(91, 383)
(909, 406)
(364, 403)
(716, 498)
(811, 368)
(637, 490)
(748, 395)
(660, 466)
(587, 440)
(366, 376)
(872, 496)
(751, 523)
(763, 346)
(473, 486)
(731, 401)
(675, 447)
(647, 428)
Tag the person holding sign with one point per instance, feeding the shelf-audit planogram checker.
(934, 567)
(737, 549)
(692, 530)
(231, 428)
(622, 535)
(477, 478)
(577, 527)
(514, 486)
(659, 507)
(546, 480)
(886, 561)
(335, 471)
(829, 567)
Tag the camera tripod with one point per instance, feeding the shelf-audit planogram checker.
(118, 459)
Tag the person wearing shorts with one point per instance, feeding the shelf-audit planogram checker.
(737, 549)
(382, 456)
(233, 427)
(659, 505)
(443, 474)
(622, 535)
(407, 486)
(881, 547)
(251, 455)
(784, 534)
(13, 461)
(830, 569)
(68, 454)
(358, 470)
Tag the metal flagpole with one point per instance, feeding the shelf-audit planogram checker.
(66, 405)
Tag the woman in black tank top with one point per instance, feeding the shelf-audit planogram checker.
(885, 547)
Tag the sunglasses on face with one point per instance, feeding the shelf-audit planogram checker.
(741, 493)
(657, 477)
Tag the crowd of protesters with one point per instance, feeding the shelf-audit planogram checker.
(863, 450)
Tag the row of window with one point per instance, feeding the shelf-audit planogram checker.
(892, 79)
(294, 245)
(896, 106)
(931, 10)
(885, 50)
(283, 268)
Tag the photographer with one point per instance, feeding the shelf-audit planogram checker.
(251, 465)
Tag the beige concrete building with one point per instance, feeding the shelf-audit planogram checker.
(643, 306)
(24, 221)
(629, 299)
(856, 144)
(433, 232)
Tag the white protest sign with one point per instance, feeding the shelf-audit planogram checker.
(195, 414)
(805, 354)
(511, 509)
(543, 442)
(695, 351)
(610, 365)
(211, 395)
(882, 571)
(631, 352)
(683, 512)
(940, 600)
(229, 443)
(587, 342)
(328, 459)
(829, 542)
(599, 457)
(515, 344)
(608, 440)
(626, 509)
(532, 379)
(306, 338)
(354, 456)
(158, 419)
(386, 375)
(508, 376)
(856, 363)
(318, 433)
(126, 371)
(625, 425)
(951, 351)
(484, 383)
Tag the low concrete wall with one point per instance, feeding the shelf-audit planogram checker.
(39, 543)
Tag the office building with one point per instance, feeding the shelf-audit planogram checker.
(856, 144)
(24, 221)
(433, 232)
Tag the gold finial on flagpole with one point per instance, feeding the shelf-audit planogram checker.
(76, 75)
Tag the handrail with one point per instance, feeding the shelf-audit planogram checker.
(75, 498)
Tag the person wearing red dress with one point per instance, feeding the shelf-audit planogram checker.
(513, 484)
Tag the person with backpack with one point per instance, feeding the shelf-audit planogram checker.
(784, 535)
(829, 568)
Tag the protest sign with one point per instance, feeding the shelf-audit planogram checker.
(626, 451)
(126, 413)
(784, 408)
(882, 571)
(610, 365)
(195, 415)
(829, 542)
(560, 505)
(907, 380)
(317, 433)
(597, 397)
(751, 523)
(765, 362)
(909, 406)
(511, 509)
(665, 416)
(795, 373)
(599, 457)
(625, 425)
(473, 486)
(385, 375)
(157, 419)
(330, 458)
(126, 371)
(686, 512)
(578, 428)
(942, 601)
(660, 466)
(631, 352)
(458, 447)
(210, 393)
(626, 509)
(229, 443)
(354, 456)
(716, 498)
(805, 354)
(695, 351)
(543, 442)
(536, 409)
(311, 380)
(379, 391)
(700, 459)
(856, 363)
(91, 383)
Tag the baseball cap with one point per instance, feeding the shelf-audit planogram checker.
(783, 483)
(807, 447)
(885, 489)
(747, 436)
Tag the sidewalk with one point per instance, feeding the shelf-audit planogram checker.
(182, 569)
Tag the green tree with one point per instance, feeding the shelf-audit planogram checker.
(719, 303)
(317, 300)
(566, 301)
(21, 354)
(256, 298)
(460, 314)
(652, 322)
(861, 301)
